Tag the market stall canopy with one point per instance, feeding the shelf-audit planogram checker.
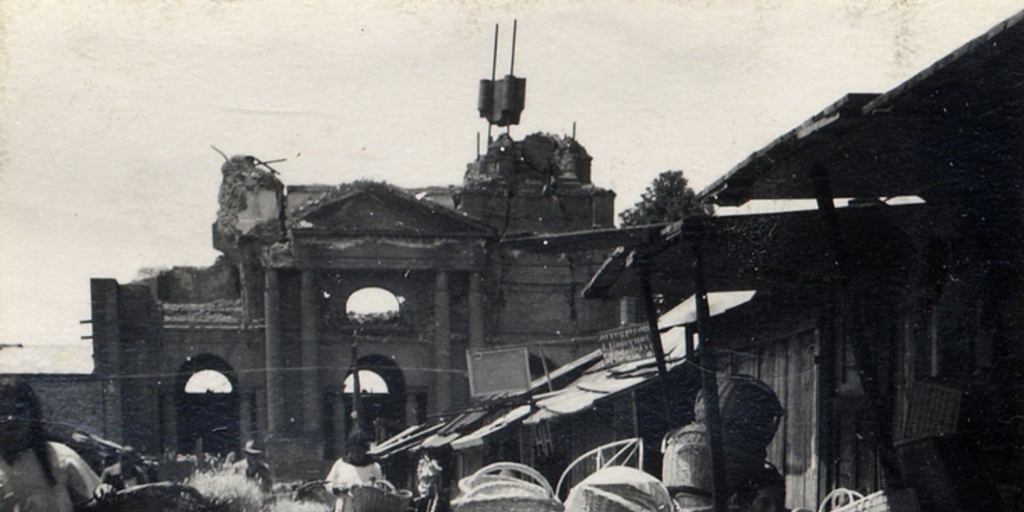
(758, 252)
(403, 440)
(476, 438)
(494, 413)
(602, 382)
(937, 134)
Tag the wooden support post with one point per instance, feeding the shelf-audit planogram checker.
(836, 304)
(709, 382)
(651, 312)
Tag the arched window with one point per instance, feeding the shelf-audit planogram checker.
(369, 382)
(208, 381)
(373, 305)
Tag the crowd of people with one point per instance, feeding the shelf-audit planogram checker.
(40, 474)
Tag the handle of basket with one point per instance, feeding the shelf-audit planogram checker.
(516, 468)
(387, 486)
(838, 498)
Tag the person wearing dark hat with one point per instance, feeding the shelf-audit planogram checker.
(256, 467)
(355, 468)
(128, 471)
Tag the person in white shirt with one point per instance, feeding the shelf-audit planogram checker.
(36, 474)
(355, 468)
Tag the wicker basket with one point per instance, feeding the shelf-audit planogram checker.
(506, 487)
(886, 500)
(599, 500)
(619, 489)
(380, 497)
(156, 497)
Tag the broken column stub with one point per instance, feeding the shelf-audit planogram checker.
(250, 201)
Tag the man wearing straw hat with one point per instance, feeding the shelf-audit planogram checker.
(256, 467)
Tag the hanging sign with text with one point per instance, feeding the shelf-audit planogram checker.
(625, 344)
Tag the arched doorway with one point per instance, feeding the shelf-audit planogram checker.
(383, 396)
(207, 406)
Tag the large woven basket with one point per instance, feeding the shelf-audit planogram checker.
(506, 487)
(619, 489)
(886, 500)
(599, 500)
(380, 497)
(156, 497)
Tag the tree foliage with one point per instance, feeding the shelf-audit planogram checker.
(668, 199)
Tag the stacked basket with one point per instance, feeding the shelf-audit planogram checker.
(379, 497)
(750, 413)
(506, 487)
(619, 489)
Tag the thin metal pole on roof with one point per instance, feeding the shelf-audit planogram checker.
(709, 382)
(494, 68)
(512, 65)
(494, 54)
(512, 61)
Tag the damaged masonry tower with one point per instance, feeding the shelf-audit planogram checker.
(540, 184)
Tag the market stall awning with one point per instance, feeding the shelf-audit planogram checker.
(602, 382)
(929, 137)
(476, 438)
(403, 440)
(493, 413)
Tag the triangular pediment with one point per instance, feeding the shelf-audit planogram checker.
(381, 209)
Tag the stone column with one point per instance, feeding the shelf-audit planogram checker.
(276, 417)
(442, 343)
(312, 407)
(476, 311)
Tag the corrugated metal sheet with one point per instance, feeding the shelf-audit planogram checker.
(602, 382)
(476, 438)
(404, 440)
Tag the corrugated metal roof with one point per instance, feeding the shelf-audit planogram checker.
(404, 440)
(602, 382)
(476, 438)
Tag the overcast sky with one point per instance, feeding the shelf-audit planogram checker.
(109, 109)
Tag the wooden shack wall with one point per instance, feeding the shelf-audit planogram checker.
(788, 367)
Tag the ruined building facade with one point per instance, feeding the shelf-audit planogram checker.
(271, 316)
